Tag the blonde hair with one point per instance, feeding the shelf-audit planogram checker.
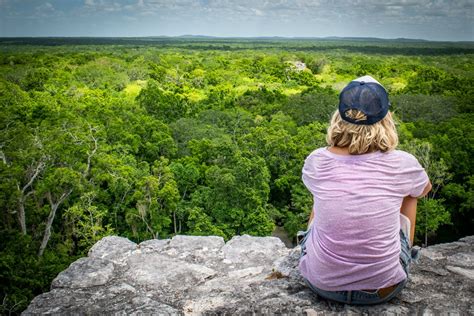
(362, 139)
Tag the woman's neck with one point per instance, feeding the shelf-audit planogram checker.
(344, 151)
(339, 150)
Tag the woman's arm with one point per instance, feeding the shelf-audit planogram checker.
(311, 217)
(408, 209)
(426, 190)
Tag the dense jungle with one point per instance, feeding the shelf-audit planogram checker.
(152, 137)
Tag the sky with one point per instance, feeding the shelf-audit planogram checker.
(441, 20)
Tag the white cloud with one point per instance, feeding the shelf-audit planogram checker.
(45, 10)
(108, 6)
(257, 12)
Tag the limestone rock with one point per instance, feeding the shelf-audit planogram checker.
(189, 275)
(468, 273)
(93, 272)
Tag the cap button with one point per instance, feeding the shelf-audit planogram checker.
(362, 83)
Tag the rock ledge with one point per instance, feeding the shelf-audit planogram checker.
(189, 275)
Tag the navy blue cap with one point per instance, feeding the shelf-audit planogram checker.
(366, 95)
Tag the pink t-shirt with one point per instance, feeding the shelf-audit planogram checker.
(354, 243)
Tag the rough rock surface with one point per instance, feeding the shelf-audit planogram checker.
(247, 275)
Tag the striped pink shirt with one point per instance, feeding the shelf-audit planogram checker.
(355, 243)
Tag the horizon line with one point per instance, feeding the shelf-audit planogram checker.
(196, 36)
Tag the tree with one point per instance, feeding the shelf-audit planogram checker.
(163, 104)
(431, 212)
(57, 186)
(200, 224)
(32, 174)
(103, 73)
(311, 106)
(156, 197)
(428, 108)
(187, 173)
(86, 221)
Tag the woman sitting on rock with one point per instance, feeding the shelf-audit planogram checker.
(357, 249)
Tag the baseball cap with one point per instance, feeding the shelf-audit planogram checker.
(366, 95)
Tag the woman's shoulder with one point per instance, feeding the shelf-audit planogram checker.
(317, 153)
(394, 155)
(404, 156)
(313, 158)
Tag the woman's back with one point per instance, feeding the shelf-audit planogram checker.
(354, 243)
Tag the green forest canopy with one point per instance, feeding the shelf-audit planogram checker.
(148, 138)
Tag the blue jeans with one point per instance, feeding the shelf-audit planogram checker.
(360, 297)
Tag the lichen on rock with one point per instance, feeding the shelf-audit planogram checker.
(190, 275)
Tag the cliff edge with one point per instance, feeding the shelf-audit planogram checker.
(191, 275)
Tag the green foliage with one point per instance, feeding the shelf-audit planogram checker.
(24, 275)
(454, 143)
(430, 215)
(35, 79)
(459, 200)
(311, 106)
(203, 138)
(429, 108)
(103, 73)
(163, 104)
(294, 223)
(156, 195)
(87, 221)
(431, 212)
(200, 224)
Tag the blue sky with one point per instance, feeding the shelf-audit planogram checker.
(450, 20)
